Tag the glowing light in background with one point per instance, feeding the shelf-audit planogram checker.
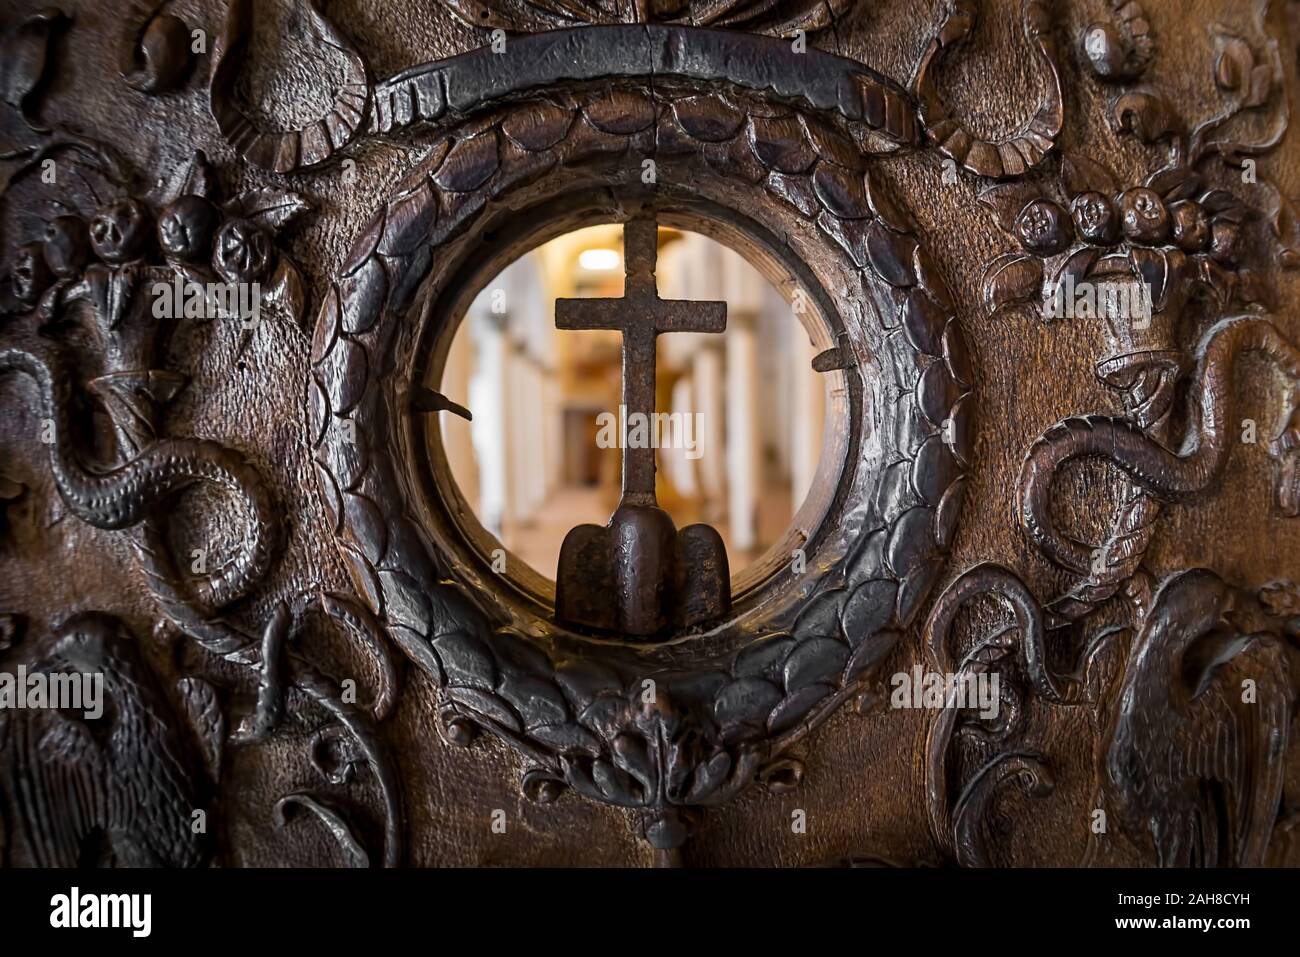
(599, 260)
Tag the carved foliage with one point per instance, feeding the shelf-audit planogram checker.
(1015, 155)
(765, 17)
(582, 718)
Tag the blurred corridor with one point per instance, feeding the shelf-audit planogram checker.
(530, 465)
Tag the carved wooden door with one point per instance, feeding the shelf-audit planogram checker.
(1046, 611)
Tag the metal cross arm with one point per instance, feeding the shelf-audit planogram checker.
(640, 316)
(639, 575)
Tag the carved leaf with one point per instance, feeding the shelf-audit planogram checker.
(24, 56)
(202, 710)
(1224, 206)
(286, 290)
(1286, 227)
(356, 854)
(1145, 115)
(1012, 278)
(1007, 200)
(1261, 86)
(1252, 80)
(271, 208)
(1159, 269)
(1077, 266)
(1235, 64)
(1175, 183)
(1079, 174)
(196, 178)
(157, 55)
(1219, 281)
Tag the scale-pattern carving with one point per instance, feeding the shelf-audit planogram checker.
(767, 16)
(1152, 656)
(1015, 155)
(583, 720)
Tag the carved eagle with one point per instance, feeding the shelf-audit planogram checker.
(109, 791)
(1196, 751)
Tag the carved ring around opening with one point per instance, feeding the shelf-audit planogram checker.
(793, 649)
(847, 421)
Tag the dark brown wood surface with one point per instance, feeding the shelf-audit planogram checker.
(242, 526)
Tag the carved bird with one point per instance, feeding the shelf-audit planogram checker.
(108, 791)
(1194, 763)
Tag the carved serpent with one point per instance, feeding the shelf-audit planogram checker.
(123, 496)
(1161, 471)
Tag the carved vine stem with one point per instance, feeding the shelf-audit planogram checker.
(970, 837)
(222, 639)
(945, 816)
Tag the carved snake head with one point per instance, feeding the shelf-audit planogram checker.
(96, 643)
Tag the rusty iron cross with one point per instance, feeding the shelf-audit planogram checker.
(640, 316)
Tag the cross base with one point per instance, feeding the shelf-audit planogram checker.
(639, 575)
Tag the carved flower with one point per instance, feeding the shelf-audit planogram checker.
(1095, 218)
(186, 226)
(29, 276)
(242, 252)
(120, 231)
(1043, 228)
(67, 246)
(1143, 216)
